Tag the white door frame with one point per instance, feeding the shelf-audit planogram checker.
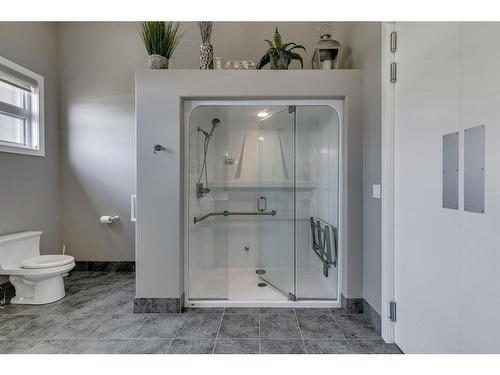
(388, 187)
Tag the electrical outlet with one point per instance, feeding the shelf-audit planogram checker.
(376, 191)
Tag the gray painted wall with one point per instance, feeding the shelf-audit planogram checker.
(96, 80)
(97, 63)
(30, 186)
(365, 39)
(160, 199)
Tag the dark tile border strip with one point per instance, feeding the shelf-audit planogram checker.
(104, 266)
(157, 305)
(373, 316)
(360, 306)
(351, 305)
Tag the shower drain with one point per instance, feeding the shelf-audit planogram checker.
(261, 285)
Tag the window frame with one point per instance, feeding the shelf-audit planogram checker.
(35, 114)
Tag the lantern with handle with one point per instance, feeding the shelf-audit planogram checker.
(327, 50)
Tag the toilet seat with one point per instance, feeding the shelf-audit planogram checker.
(47, 261)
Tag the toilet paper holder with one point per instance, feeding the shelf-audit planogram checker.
(109, 219)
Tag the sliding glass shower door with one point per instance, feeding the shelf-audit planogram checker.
(298, 177)
(275, 187)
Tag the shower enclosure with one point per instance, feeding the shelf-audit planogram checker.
(262, 202)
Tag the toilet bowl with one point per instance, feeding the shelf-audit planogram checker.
(37, 279)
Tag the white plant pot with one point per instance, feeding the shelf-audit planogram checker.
(157, 62)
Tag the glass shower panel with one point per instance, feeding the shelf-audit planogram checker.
(263, 202)
(317, 202)
(276, 193)
(208, 240)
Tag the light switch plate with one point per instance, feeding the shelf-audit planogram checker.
(376, 191)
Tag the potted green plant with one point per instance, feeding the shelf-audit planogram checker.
(280, 54)
(160, 40)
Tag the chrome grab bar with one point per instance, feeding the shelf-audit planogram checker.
(228, 213)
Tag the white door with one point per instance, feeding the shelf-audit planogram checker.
(447, 262)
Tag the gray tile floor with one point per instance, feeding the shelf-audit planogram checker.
(96, 316)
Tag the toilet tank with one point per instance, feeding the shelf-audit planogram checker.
(15, 247)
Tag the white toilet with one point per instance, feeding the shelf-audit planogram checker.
(38, 279)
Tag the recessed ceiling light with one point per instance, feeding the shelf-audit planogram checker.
(262, 114)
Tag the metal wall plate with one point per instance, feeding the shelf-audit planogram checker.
(450, 170)
(474, 159)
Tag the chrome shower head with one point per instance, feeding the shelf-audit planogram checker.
(215, 122)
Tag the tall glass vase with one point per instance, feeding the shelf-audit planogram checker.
(206, 56)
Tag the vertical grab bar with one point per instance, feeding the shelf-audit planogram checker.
(265, 204)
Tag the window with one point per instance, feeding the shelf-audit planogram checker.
(21, 110)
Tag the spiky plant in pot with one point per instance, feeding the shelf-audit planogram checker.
(160, 40)
(280, 55)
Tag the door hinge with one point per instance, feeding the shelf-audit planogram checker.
(394, 72)
(392, 311)
(292, 297)
(394, 41)
(291, 109)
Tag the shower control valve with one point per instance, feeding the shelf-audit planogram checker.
(201, 191)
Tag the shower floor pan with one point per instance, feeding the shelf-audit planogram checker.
(239, 286)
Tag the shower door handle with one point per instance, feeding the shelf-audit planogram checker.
(265, 204)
